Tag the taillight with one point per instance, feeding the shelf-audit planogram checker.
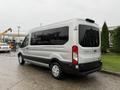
(75, 55)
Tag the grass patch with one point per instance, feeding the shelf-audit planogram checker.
(111, 61)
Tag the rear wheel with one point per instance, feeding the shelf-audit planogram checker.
(56, 70)
(21, 60)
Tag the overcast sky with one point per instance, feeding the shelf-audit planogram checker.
(30, 13)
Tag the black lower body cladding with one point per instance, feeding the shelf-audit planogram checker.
(83, 69)
(68, 67)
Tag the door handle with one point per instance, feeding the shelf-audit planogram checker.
(27, 48)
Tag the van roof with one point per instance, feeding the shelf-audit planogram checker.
(61, 22)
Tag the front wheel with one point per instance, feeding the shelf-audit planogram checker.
(56, 71)
(21, 60)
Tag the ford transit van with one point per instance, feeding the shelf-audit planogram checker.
(71, 46)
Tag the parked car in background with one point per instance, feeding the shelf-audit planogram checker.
(4, 47)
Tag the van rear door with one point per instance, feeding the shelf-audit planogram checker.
(89, 43)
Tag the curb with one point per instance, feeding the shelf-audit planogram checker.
(110, 72)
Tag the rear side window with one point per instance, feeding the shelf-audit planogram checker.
(56, 36)
(88, 36)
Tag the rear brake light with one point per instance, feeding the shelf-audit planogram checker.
(75, 55)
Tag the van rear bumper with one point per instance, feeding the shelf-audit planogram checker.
(82, 69)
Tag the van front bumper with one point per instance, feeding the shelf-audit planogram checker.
(82, 69)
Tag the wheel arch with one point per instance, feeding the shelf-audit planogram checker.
(19, 54)
(53, 60)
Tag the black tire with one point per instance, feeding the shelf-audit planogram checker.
(21, 60)
(8, 51)
(56, 73)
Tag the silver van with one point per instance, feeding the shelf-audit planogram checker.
(71, 46)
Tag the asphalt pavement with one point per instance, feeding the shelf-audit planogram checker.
(32, 77)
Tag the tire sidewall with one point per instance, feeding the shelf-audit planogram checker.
(21, 62)
(60, 70)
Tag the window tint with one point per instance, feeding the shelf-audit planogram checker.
(25, 42)
(56, 36)
(88, 36)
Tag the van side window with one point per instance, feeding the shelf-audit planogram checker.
(25, 42)
(56, 36)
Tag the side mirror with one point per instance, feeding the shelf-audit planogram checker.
(19, 45)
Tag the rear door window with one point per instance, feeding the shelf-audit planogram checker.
(88, 36)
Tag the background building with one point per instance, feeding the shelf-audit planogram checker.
(111, 30)
(14, 36)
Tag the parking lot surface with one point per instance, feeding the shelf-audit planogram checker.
(31, 77)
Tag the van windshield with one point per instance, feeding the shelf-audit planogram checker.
(88, 36)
